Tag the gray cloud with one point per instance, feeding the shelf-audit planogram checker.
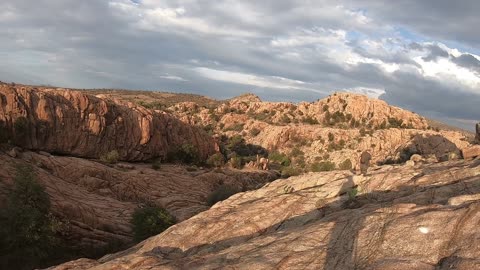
(281, 50)
(435, 53)
(468, 61)
(438, 19)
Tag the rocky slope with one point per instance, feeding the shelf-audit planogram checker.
(71, 123)
(295, 223)
(97, 201)
(334, 129)
(424, 216)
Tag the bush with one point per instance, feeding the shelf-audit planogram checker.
(254, 132)
(186, 153)
(27, 229)
(223, 192)
(310, 120)
(394, 122)
(323, 166)
(290, 171)
(216, 160)
(149, 221)
(237, 144)
(285, 119)
(363, 132)
(110, 157)
(325, 108)
(296, 152)
(235, 127)
(279, 158)
(331, 137)
(235, 161)
(345, 165)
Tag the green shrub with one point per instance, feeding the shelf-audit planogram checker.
(296, 152)
(27, 229)
(325, 108)
(235, 127)
(261, 116)
(331, 137)
(238, 145)
(323, 166)
(110, 157)
(394, 122)
(186, 153)
(285, 119)
(235, 161)
(254, 132)
(279, 158)
(345, 165)
(223, 192)
(290, 171)
(352, 193)
(149, 221)
(216, 160)
(310, 120)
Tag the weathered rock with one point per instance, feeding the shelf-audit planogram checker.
(400, 219)
(416, 158)
(98, 200)
(410, 163)
(463, 199)
(471, 152)
(69, 122)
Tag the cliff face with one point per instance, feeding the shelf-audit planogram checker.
(399, 217)
(71, 123)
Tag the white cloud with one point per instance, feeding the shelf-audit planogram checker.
(371, 92)
(172, 77)
(250, 79)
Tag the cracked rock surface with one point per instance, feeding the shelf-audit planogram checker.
(402, 217)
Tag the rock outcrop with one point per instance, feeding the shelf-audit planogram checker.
(97, 201)
(334, 129)
(72, 123)
(399, 217)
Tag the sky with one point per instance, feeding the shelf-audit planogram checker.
(423, 56)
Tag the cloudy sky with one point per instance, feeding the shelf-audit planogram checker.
(419, 55)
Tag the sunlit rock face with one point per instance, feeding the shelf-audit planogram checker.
(72, 123)
(400, 217)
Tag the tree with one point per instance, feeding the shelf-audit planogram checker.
(27, 229)
(149, 221)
